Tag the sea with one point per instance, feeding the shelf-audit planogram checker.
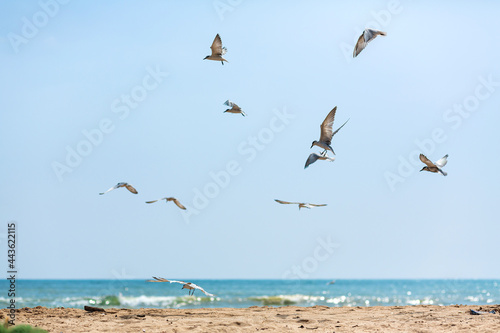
(133, 294)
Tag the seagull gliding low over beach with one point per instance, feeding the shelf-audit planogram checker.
(186, 285)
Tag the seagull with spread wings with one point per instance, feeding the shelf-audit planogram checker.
(315, 156)
(234, 108)
(434, 167)
(301, 204)
(191, 287)
(126, 185)
(367, 36)
(167, 199)
(217, 50)
(325, 139)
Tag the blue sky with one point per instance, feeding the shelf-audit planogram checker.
(123, 85)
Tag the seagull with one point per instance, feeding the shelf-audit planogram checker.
(301, 204)
(434, 167)
(167, 200)
(331, 282)
(367, 36)
(217, 50)
(186, 285)
(315, 156)
(128, 186)
(234, 108)
(325, 139)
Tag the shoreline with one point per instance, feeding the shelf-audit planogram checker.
(412, 318)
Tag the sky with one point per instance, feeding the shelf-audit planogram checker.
(96, 93)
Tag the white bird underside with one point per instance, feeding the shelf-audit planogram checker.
(301, 204)
(122, 184)
(367, 36)
(177, 202)
(186, 285)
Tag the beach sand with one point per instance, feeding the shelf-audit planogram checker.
(420, 318)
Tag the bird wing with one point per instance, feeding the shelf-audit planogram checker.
(228, 103)
(217, 46)
(176, 202)
(113, 188)
(131, 188)
(360, 45)
(426, 161)
(370, 34)
(326, 127)
(317, 205)
(286, 202)
(152, 201)
(311, 159)
(338, 129)
(175, 281)
(158, 280)
(200, 288)
(442, 162)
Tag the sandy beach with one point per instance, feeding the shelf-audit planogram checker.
(424, 318)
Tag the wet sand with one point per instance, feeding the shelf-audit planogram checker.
(421, 318)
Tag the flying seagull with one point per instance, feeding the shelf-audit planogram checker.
(217, 50)
(167, 200)
(434, 167)
(234, 108)
(367, 36)
(128, 186)
(315, 156)
(325, 139)
(301, 204)
(186, 285)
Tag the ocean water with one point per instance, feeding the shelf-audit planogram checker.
(245, 293)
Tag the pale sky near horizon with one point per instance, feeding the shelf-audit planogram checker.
(96, 93)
